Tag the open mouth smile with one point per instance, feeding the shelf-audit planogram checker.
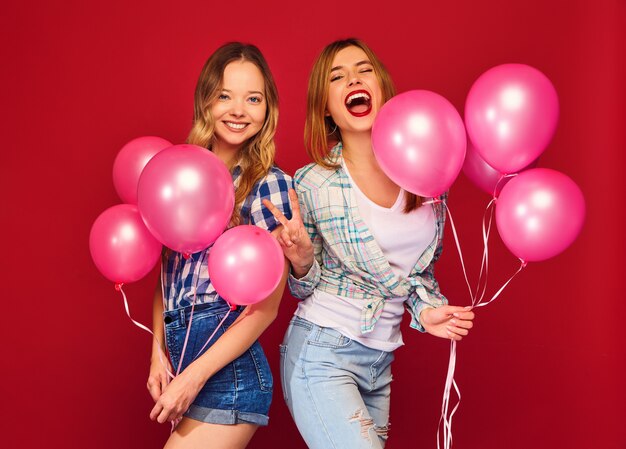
(359, 103)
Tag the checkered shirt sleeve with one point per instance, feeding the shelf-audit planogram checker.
(275, 188)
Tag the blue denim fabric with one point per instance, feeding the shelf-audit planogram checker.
(241, 392)
(336, 389)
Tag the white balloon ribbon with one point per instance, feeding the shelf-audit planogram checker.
(445, 421)
(445, 417)
(119, 288)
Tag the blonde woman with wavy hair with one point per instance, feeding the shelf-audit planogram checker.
(362, 251)
(222, 394)
(256, 156)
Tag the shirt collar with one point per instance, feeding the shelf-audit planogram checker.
(335, 154)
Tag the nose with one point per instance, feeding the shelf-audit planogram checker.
(354, 79)
(237, 108)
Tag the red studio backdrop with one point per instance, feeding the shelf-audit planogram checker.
(544, 366)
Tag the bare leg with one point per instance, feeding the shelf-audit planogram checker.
(192, 434)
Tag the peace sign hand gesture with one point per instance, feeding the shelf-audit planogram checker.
(293, 237)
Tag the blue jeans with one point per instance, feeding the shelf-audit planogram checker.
(336, 389)
(241, 392)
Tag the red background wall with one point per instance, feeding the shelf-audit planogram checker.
(545, 364)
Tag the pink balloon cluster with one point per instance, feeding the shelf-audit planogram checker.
(184, 197)
(511, 114)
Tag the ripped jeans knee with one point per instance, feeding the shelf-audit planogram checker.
(367, 425)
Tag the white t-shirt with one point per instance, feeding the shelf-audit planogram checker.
(402, 239)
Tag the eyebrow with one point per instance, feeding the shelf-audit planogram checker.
(365, 61)
(250, 91)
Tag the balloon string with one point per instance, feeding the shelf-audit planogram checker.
(446, 416)
(521, 267)
(456, 241)
(450, 382)
(119, 288)
(173, 423)
(477, 300)
(213, 334)
(502, 177)
(458, 247)
(193, 305)
(163, 288)
(182, 353)
(484, 265)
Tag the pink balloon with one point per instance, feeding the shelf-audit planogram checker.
(186, 197)
(130, 162)
(246, 264)
(121, 246)
(539, 214)
(511, 114)
(484, 175)
(419, 141)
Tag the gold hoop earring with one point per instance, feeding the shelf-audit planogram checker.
(333, 131)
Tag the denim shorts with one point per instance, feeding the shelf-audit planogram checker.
(241, 392)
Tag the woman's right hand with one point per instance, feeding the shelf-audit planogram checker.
(158, 378)
(451, 322)
(293, 237)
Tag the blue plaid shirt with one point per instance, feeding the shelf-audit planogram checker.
(348, 261)
(180, 275)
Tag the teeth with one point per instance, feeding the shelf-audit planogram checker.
(357, 95)
(235, 125)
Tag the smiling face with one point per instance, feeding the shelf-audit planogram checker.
(354, 92)
(240, 107)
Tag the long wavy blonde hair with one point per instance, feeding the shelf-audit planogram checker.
(256, 155)
(320, 131)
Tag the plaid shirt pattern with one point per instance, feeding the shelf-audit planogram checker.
(181, 277)
(348, 261)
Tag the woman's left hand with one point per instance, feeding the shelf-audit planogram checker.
(448, 321)
(177, 397)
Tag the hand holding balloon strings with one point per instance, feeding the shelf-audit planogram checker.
(294, 238)
(178, 396)
(450, 322)
(159, 377)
